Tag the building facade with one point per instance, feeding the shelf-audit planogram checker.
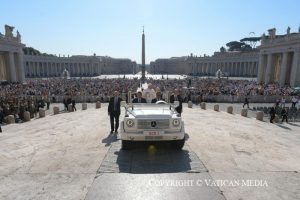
(11, 56)
(15, 66)
(230, 63)
(279, 58)
(175, 65)
(77, 66)
(276, 60)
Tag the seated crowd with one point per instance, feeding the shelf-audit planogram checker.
(16, 98)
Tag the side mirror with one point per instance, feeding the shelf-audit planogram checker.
(124, 104)
(176, 103)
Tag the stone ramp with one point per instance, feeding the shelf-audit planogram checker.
(150, 158)
(169, 186)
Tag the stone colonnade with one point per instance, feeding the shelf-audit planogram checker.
(77, 66)
(242, 68)
(13, 69)
(55, 68)
(230, 63)
(11, 56)
(281, 67)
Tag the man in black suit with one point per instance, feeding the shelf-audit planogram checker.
(272, 113)
(139, 98)
(114, 111)
(158, 98)
(246, 102)
(177, 97)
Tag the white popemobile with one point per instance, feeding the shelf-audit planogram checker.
(152, 122)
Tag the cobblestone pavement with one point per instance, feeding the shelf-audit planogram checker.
(73, 156)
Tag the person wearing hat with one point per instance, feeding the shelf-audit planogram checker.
(139, 98)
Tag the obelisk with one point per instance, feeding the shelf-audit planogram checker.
(143, 56)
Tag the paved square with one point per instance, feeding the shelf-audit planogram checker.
(162, 159)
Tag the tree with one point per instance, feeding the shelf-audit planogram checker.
(222, 49)
(234, 46)
(33, 51)
(238, 46)
(251, 41)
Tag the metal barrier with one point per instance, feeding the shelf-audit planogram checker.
(194, 98)
(293, 112)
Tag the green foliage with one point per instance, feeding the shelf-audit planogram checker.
(33, 51)
(250, 39)
(238, 46)
(222, 49)
(245, 44)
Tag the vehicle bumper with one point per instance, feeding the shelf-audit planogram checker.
(141, 137)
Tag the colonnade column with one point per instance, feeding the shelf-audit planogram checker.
(252, 68)
(34, 69)
(28, 69)
(294, 68)
(249, 68)
(50, 68)
(283, 69)
(269, 69)
(12, 67)
(21, 66)
(47, 72)
(260, 70)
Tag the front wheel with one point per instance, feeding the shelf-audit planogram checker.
(126, 145)
(178, 144)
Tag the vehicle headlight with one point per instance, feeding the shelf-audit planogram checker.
(176, 122)
(130, 123)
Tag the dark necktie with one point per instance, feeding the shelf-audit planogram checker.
(115, 104)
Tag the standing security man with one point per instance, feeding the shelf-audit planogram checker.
(139, 98)
(246, 102)
(177, 97)
(114, 111)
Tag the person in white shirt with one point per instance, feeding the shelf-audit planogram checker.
(149, 93)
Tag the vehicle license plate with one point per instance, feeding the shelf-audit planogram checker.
(152, 133)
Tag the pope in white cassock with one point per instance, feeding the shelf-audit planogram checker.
(149, 93)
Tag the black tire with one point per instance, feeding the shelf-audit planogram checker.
(178, 144)
(126, 145)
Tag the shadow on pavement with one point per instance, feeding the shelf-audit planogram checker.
(147, 158)
(110, 139)
(293, 124)
(282, 126)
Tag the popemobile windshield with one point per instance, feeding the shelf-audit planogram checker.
(152, 122)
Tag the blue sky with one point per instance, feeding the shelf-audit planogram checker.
(172, 27)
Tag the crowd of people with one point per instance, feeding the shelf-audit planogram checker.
(15, 98)
(73, 87)
(16, 106)
(212, 86)
(103, 87)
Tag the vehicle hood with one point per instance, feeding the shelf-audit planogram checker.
(150, 114)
